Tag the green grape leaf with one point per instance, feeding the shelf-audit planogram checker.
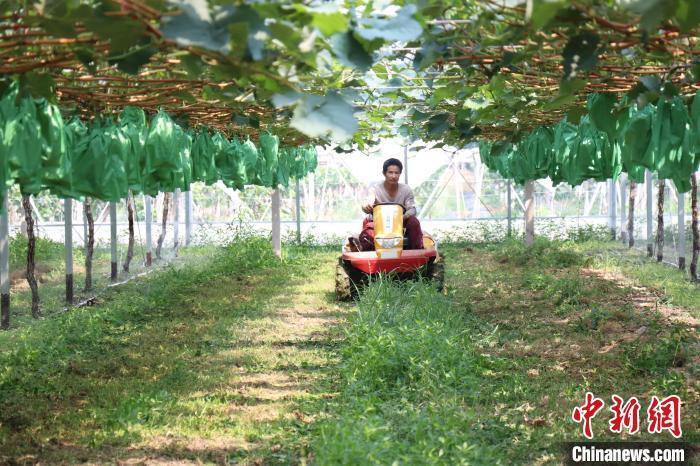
(652, 12)
(243, 120)
(195, 27)
(193, 65)
(330, 23)
(186, 96)
(653, 83)
(248, 15)
(349, 51)
(575, 114)
(133, 60)
(58, 27)
(687, 14)
(427, 55)
(286, 99)
(239, 39)
(544, 11)
(286, 34)
(402, 27)
(86, 56)
(567, 93)
(39, 85)
(571, 86)
(329, 116)
(580, 54)
(417, 115)
(670, 90)
(122, 33)
(437, 124)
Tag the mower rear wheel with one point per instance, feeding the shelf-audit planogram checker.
(343, 283)
(436, 272)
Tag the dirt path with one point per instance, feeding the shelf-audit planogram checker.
(221, 364)
(273, 368)
(644, 298)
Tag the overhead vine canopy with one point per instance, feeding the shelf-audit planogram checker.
(499, 69)
(220, 65)
(442, 70)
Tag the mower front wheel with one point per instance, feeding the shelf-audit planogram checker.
(343, 283)
(436, 272)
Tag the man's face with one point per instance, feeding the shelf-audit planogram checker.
(392, 174)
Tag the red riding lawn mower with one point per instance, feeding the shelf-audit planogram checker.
(356, 267)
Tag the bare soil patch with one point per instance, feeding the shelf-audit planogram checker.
(643, 298)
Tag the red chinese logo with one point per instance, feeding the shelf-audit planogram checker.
(665, 415)
(587, 412)
(661, 415)
(625, 415)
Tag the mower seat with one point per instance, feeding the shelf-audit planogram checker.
(406, 243)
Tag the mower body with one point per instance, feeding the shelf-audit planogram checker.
(354, 268)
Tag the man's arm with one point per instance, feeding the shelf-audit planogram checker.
(369, 201)
(409, 204)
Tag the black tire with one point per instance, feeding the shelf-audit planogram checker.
(436, 272)
(343, 283)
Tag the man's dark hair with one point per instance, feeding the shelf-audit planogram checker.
(390, 162)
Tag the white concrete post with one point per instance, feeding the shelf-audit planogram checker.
(176, 219)
(113, 239)
(612, 208)
(311, 198)
(68, 245)
(148, 201)
(623, 208)
(509, 201)
(681, 230)
(85, 225)
(298, 211)
(648, 182)
(4, 266)
(405, 164)
(276, 224)
(188, 217)
(529, 213)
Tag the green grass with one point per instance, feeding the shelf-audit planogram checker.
(47, 252)
(232, 356)
(410, 373)
(50, 273)
(490, 373)
(198, 362)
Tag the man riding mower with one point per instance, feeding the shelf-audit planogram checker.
(391, 240)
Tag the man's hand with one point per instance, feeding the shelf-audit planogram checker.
(367, 208)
